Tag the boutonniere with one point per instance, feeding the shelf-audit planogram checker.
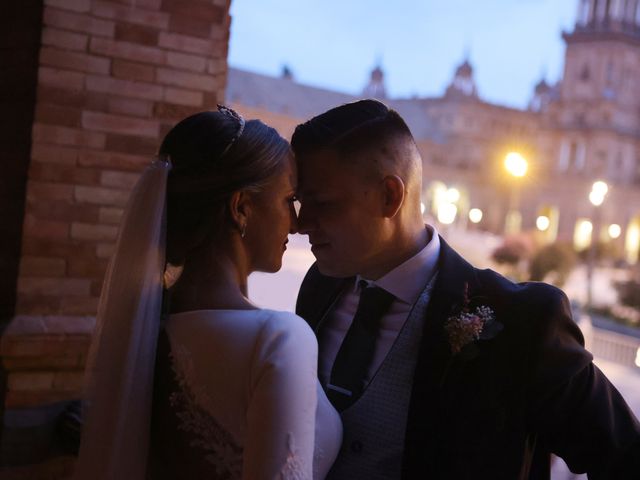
(471, 322)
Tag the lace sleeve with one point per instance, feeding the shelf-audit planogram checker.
(282, 404)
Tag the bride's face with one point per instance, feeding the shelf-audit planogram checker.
(273, 219)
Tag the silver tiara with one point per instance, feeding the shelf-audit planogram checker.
(236, 116)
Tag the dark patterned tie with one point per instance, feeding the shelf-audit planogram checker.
(349, 371)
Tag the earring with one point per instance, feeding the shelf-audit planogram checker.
(243, 230)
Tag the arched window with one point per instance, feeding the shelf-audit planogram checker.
(629, 15)
(601, 10)
(616, 9)
(584, 9)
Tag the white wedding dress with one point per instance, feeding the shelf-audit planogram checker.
(237, 397)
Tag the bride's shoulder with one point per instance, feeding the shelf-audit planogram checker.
(285, 331)
(285, 323)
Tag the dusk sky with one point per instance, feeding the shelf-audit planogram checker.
(335, 43)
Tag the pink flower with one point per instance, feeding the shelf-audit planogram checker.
(467, 326)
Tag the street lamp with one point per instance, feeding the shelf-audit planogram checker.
(475, 215)
(614, 230)
(517, 167)
(598, 192)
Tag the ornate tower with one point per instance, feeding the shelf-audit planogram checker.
(375, 88)
(542, 96)
(598, 112)
(462, 85)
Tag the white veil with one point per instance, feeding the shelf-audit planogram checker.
(119, 374)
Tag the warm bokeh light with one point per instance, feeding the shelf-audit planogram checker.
(614, 230)
(475, 215)
(582, 234)
(596, 198)
(601, 187)
(516, 164)
(632, 242)
(542, 223)
(452, 195)
(447, 213)
(599, 190)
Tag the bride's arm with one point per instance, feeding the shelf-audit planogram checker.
(282, 403)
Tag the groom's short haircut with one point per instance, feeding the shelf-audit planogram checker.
(366, 129)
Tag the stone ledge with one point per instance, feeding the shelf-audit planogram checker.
(57, 340)
(50, 325)
(44, 357)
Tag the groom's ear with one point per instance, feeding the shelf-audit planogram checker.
(240, 208)
(393, 195)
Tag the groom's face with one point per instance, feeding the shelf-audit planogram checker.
(340, 212)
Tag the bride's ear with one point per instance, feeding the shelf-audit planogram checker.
(240, 209)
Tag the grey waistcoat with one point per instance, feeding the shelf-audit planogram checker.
(374, 426)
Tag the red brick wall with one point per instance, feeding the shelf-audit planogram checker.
(113, 77)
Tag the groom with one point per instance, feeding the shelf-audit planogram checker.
(440, 371)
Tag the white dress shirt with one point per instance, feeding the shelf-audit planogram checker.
(405, 282)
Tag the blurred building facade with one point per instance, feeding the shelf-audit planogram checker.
(582, 129)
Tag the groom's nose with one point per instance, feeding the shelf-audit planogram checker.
(293, 220)
(304, 223)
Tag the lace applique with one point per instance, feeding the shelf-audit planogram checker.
(191, 404)
(293, 468)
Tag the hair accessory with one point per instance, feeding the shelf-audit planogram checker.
(236, 116)
(162, 159)
(171, 274)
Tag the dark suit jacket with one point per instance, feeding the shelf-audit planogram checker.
(498, 412)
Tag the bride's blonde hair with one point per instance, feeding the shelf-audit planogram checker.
(214, 154)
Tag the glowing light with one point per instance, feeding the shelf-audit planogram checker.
(542, 223)
(452, 195)
(516, 164)
(632, 242)
(614, 230)
(475, 215)
(638, 357)
(422, 207)
(599, 190)
(447, 213)
(601, 187)
(586, 227)
(582, 234)
(596, 198)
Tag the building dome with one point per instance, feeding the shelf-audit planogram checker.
(542, 87)
(462, 85)
(465, 69)
(375, 88)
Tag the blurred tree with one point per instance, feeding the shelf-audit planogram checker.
(557, 258)
(514, 249)
(629, 291)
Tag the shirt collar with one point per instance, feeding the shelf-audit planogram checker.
(407, 280)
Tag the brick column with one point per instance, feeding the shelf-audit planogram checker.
(113, 77)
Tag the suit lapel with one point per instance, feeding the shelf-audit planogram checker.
(454, 275)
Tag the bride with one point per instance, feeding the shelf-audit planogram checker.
(193, 380)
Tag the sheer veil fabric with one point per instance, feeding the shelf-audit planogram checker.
(119, 374)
